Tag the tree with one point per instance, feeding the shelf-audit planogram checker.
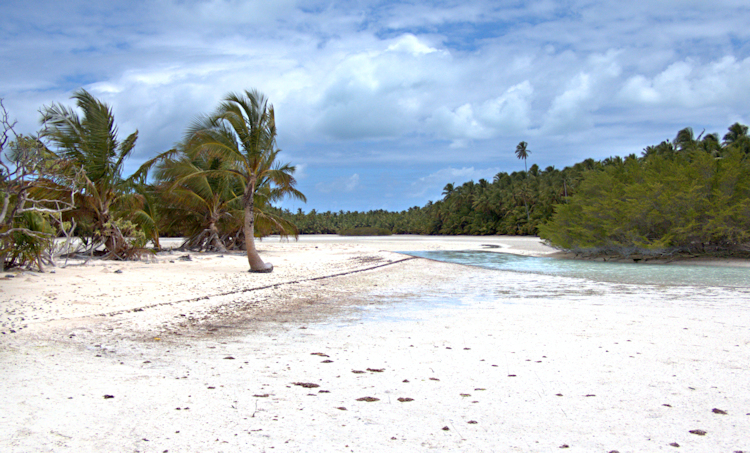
(242, 131)
(27, 219)
(90, 146)
(522, 153)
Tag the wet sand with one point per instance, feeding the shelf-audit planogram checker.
(348, 346)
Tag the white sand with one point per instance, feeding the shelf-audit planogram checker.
(158, 338)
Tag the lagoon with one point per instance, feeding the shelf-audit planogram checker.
(610, 272)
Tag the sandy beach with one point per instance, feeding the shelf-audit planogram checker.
(350, 346)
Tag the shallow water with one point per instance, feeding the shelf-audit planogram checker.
(638, 274)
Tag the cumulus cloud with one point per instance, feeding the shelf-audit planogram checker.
(690, 84)
(391, 84)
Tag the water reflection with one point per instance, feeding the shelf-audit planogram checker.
(639, 274)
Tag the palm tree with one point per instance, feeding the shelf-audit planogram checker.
(736, 133)
(89, 144)
(242, 132)
(197, 197)
(522, 153)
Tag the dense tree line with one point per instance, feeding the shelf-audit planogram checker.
(692, 195)
(689, 194)
(515, 203)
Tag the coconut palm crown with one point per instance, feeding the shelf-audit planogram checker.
(89, 144)
(242, 132)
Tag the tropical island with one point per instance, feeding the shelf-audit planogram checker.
(217, 188)
(148, 334)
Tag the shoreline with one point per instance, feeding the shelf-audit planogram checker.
(505, 361)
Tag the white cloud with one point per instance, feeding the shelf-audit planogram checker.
(345, 185)
(393, 84)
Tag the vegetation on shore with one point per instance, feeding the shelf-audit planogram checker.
(217, 187)
(690, 195)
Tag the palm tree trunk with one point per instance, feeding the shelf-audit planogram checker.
(256, 264)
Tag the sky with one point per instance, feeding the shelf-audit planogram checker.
(380, 104)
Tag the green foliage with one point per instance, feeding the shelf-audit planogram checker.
(365, 231)
(680, 201)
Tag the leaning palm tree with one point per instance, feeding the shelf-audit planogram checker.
(242, 132)
(89, 144)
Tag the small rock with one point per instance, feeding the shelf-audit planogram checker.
(307, 385)
(106, 397)
(368, 399)
(698, 432)
(564, 446)
(472, 422)
(405, 400)
(445, 428)
(718, 411)
(118, 271)
(674, 444)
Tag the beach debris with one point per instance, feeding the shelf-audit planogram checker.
(106, 397)
(324, 391)
(467, 349)
(357, 371)
(265, 395)
(405, 400)
(341, 408)
(405, 380)
(118, 271)
(511, 375)
(718, 411)
(445, 428)
(369, 399)
(327, 361)
(307, 385)
(434, 379)
(697, 432)
(666, 405)
(674, 444)
(590, 395)
(564, 446)
(472, 422)
(319, 354)
(185, 258)
(466, 395)
(479, 389)
(211, 388)
(229, 357)
(376, 370)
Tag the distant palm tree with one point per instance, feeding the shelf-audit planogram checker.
(90, 145)
(242, 132)
(522, 153)
(736, 133)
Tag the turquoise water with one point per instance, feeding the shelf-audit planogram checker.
(639, 274)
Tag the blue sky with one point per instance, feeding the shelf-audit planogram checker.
(382, 103)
